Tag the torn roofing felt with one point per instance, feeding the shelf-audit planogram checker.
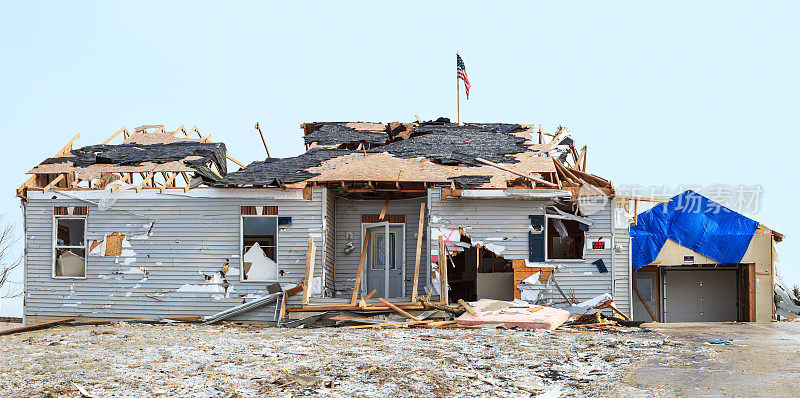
(468, 181)
(450, 144)
(695, 222)
(136, 154)
(278, 171)
(333, 133)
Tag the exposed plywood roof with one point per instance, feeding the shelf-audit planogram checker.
(157, 138)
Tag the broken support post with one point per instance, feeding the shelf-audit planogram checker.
(262, 139)
(310, 256)
(443, 271)
(354, 300)
(415, 285)
(382, 216)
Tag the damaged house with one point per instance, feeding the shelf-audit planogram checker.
(160, 226)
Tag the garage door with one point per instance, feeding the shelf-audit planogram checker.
(700, 296)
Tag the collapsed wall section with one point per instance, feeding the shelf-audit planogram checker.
(503, 226)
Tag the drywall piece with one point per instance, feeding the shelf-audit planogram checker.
(70, 264)
(496, 285)
(262, 268)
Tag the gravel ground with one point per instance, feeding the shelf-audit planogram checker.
(208, 361)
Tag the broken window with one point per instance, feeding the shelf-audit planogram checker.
(260, 248)
(70, 247)
(565, 239)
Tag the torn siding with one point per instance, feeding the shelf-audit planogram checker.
(191, 238)
(348, 229)
(502, 225)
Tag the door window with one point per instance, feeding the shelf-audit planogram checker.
(377, 250)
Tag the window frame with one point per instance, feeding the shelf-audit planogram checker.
(54, 246)
(241, 247)
(547, 258)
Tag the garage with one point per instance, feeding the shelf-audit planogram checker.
(700, 295)
(695, 293)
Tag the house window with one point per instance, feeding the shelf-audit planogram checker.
(259, 248)
(565, 239)
(69, 250)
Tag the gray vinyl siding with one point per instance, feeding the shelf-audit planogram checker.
(505, 222)
(330, 242)
(583, 279)
(190, 236)
(348, 221)
(622, 273)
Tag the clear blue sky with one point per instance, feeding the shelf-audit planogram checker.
(682, 93)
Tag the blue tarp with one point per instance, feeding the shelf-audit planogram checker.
(695, 222)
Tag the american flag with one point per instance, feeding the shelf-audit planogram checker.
(462, 73)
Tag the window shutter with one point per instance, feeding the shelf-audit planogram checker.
(536, 239)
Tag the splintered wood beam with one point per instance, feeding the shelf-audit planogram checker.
(567, 172)
(382, 216)
(145, 181)
(168, 182)
(420, 228)
(581, 159)
(310, 257)
(357, 287)
(194, 128)
(263, 141)
(398, 310)
(442, 259)
(516, 172)
(114, 135)
(558, 180)
(235, 161)
(179, 129)
(53, 183)
(583, 153)
(206, 138)
(68, 147)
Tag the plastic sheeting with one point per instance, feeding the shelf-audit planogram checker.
(695, 222)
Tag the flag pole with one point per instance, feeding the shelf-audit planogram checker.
(458, 99)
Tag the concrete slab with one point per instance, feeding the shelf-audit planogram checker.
(761, 360)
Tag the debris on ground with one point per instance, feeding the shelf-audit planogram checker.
(182, 359)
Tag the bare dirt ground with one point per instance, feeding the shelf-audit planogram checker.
(189, 360)
(214, 361)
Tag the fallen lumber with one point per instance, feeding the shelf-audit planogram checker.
(388, 325)
(370, 321)
(467, 307)
(429, 305)
(37, 326)
(348, 307)
(398, 309)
